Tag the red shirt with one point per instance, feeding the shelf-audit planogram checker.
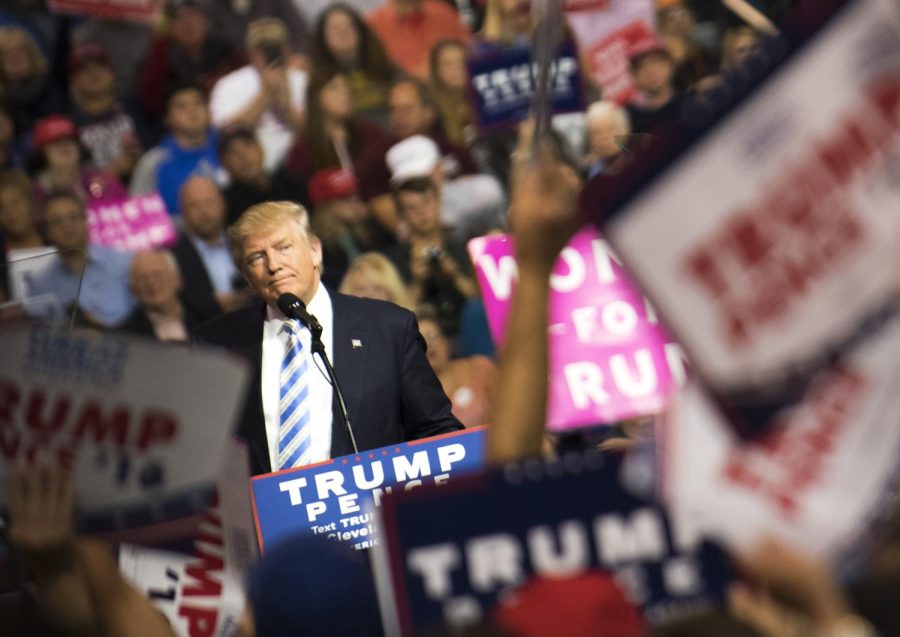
(409, 38)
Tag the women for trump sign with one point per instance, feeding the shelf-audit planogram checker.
(610, 359)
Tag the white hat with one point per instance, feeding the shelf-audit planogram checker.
(415, 156)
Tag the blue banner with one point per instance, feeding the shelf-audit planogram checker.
(502, 84)
(449, 555)
(331, 498)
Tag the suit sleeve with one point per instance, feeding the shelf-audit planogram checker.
(426, 408)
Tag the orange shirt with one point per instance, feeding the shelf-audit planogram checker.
(408, 38)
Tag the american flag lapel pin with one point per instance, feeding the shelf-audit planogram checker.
(356, 343)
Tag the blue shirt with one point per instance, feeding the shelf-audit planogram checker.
(180, 164)
(218, 263)
(105, 292)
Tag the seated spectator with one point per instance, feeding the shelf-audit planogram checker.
(342, 223)
(332, 137)
(234, 20)
(267, 95)
(435, 266)
(94, 277)
(466, 381)
(156, 284)
(470, 204)
(26, 85)
(410, 28)
(249, 184)
(450, 84)
(189, 149)
(345, 43)
(373, 276)
(608, 129)
(413, 112)
(657, 102)
(212, 283)
(60, 164)
(186, 51)
(17, 205)
(107, 129)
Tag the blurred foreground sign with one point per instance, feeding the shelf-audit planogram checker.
(610, 359)
(331, 498)
(819, 478)
(127, 10)
(770, 246)
(143, 426)
(449, 555)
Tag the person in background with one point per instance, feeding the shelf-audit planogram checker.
(506, 22)
(470, 205)
(332, 137)
(410, 28)
(608, 130)
(248, 182)
(160, 314)
(26, 85)
(93, 276)
(188, 50)
(413, 112)
(109, 132)
(267, 95)
(738, 44)
(373, 276)
(189, 149)
(345, 43)
(232, 20)
(60, 162)
(211, 282)
(11, 143)
(677, 25)
(17, 206)
(435, 266)
(466, 381)
(449, 80)
(657, 101)
(342, 223)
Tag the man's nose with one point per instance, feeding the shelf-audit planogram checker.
(274, 261)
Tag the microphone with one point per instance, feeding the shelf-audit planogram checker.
(293, 307)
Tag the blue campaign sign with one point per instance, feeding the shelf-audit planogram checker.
(449, 555)
(502, 84)
(331, 498)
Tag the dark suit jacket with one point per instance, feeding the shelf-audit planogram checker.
(392, 394)
(197, 293)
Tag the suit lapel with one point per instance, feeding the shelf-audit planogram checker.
(350, 358)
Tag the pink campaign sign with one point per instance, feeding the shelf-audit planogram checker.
(610, 359)
(139, 223)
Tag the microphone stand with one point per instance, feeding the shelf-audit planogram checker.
(318, 347)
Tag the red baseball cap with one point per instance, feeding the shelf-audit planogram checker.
(644, 45)
(331, 183)
(584, 605)
(86, 53)
(51, 129)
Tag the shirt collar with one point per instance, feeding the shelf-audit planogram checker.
(319, 306)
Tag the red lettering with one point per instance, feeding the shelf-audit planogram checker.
(92, 419)
(201, 621)
(9, 399)
(156, 427)
(35, 414)
(201, 582)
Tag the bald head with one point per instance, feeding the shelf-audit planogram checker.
(155, 280)
(202, 208)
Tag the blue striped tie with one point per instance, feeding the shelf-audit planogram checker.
(293, 407)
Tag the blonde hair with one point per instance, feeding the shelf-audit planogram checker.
(268, 29)
(11, 37)
(730, 42)
(263, 218)
(378, 269)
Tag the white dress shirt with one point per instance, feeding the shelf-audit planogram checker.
(274, 345)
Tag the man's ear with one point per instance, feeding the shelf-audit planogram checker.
(315, 251)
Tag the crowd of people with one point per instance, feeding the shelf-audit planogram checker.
(360, 112)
